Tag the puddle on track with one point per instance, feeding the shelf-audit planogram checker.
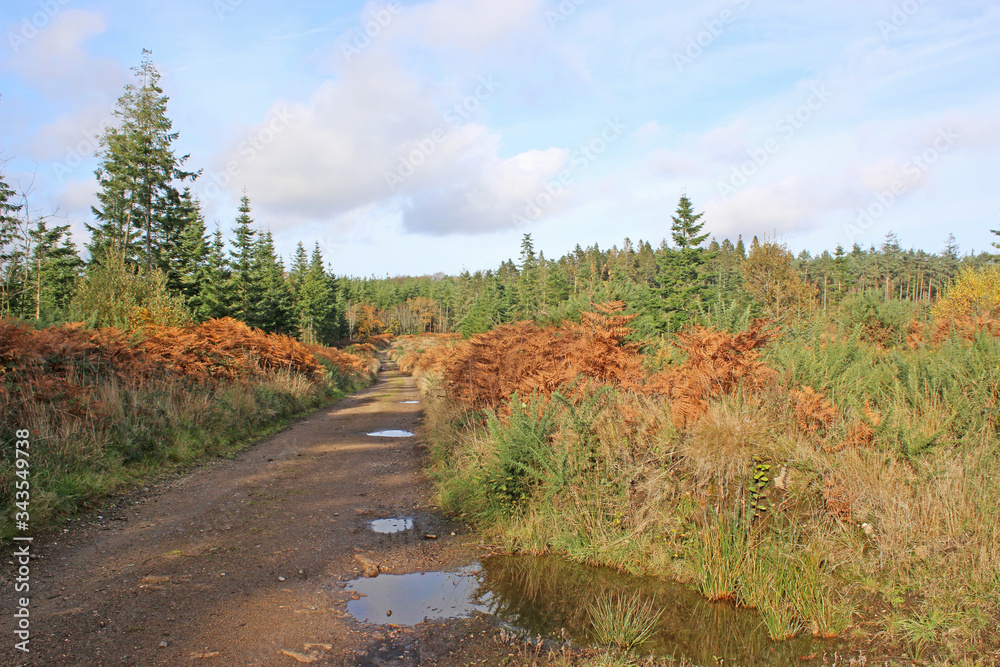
(388, 526)
(391, 434)
(414, 598)
(409, 402)
(547, 595)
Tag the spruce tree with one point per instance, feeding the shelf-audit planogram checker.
(11, 255)
(187, 274)
(528, 280)
(216, 290)
(273, 311)
(681, 277)
(137, 211)
(245, 286)
(53, 269)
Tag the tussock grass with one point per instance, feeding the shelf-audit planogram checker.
(623, 621)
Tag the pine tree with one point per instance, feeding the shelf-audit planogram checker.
(187, 274)
(313, 297)
(682, 268)
(11, 255)
(528, 280)
(54, 267)
(273, 311)
(216, 290)
(138, 201)
(245, 286)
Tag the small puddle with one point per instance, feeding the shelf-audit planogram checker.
(409, 402)
(391, 525)
(391, 434)
(551, 597)
(408, 599)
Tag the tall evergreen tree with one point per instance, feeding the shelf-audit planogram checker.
(11, 254)
(216, 290)
(681, 277)
(528, 284)
(246, 289)
(273, 311)
(314, 298)
(138, 200)
(187, 274)
(54, 267)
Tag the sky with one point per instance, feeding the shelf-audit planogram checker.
(416, 137)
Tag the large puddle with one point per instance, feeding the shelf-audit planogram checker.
(408, 599)
(550, 597)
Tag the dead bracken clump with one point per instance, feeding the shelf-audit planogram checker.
(716, 363)
(813, 411)
(861, 433)
(966, 326)
(64, 362)
(225, 349)
(524, 357)
(837, 499)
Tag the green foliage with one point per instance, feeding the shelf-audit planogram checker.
(121, 295)
(140, 213)
(524, 458)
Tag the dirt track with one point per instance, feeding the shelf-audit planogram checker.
(242, 562)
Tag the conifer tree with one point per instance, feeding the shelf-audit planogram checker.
(53, 269)
(273, 311)
(681, 277)
(314, 299)
(245, 289)
(215, 294)
(187, 274)
(137, 211)
(11, 255)
(528, 280)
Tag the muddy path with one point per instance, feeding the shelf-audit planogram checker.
(244, 561)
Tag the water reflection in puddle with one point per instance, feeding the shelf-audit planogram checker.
(549, 596)
(409, 402)
(391, 525)
(391, 434)
(414, 598)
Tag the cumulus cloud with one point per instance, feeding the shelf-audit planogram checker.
(380, 135)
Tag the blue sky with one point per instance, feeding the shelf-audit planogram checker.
(416, 137)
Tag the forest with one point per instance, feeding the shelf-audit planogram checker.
(812, 436)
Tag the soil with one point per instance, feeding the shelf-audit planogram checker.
(244, 561)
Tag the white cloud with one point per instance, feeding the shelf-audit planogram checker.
(54, 62)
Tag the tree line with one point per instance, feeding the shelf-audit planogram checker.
(152, 259)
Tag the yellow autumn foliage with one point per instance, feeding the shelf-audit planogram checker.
(976, 294)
